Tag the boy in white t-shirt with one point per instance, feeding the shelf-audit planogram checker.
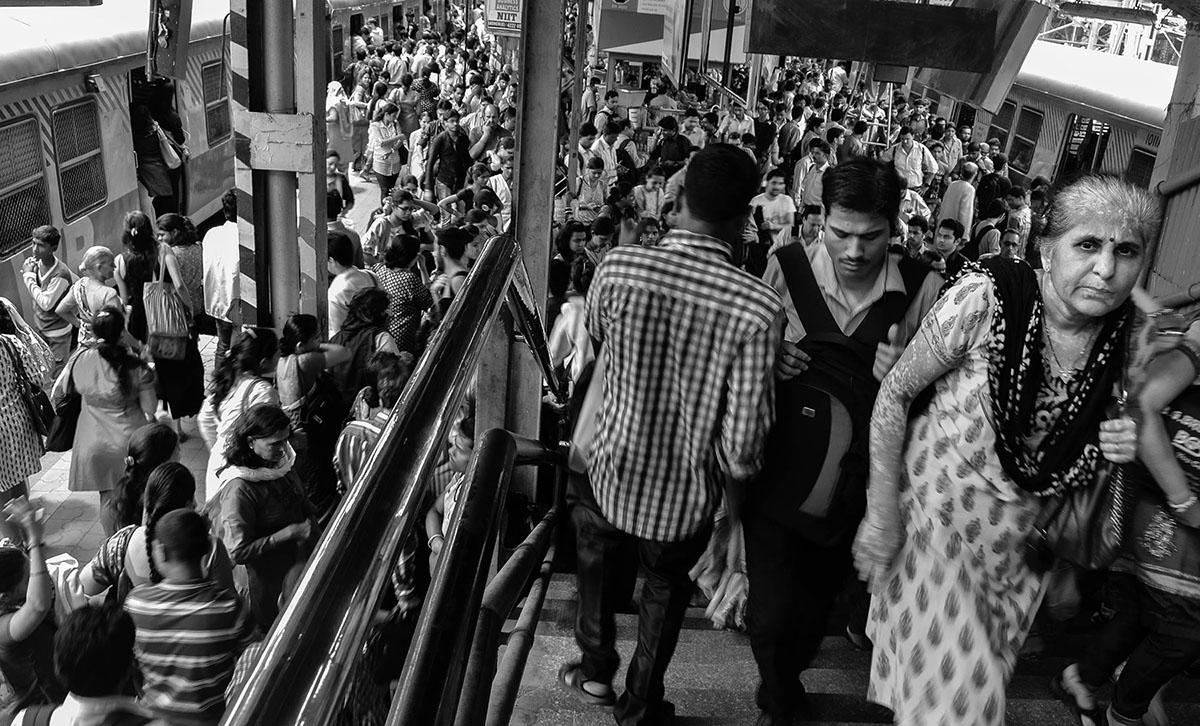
(778, 209)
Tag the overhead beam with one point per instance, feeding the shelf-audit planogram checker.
(1136, 16)
(882, 31)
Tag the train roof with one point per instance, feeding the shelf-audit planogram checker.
(1128, 87)
(43, 41)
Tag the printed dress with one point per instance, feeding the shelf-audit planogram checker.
(956, 607)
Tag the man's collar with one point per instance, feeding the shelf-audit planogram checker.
(697, 242)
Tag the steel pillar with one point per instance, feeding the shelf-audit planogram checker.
(279, 146)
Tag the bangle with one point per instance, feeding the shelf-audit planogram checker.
(436, 536)
(35, 573)
(1185, 505)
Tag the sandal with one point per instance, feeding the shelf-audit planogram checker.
(1069, 687)
(571, 676)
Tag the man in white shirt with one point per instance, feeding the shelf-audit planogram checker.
(418, 145)
(347, 280)
(912, 160)
(222, 290)
(376, 32)
(838, 76)
(736, 124)
(959, 200)
(806, 184)
(778, 209)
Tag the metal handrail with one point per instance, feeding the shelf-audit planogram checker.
(313, 647)
(432, 679)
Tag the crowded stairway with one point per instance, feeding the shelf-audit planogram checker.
(864, 428)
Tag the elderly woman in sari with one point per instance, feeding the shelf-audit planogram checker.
(1021, 365)
(91, 293)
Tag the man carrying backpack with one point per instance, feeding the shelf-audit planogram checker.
(850, 307)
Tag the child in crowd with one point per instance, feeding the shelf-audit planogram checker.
(648, 196)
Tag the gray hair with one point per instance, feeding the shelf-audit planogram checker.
(1098, 195)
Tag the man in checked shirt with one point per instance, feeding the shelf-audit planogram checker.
(689, 342)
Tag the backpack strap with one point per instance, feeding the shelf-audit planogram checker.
(38, 715)
(805, 291)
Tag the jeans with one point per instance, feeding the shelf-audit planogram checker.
(793, 587)
(1151, 658)
(665, 595)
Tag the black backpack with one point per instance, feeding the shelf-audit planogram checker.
(815, 473)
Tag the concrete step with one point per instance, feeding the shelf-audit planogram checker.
(712, 678)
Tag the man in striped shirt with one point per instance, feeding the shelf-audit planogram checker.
(189, 630)
(689, 342)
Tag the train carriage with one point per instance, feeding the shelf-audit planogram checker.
(66, 146)
(1072, 110)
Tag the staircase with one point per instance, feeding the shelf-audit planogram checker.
(712, 678)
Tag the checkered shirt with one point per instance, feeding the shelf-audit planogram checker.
(689, 396)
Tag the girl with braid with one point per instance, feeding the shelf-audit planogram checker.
(151, 445)
(124, 561)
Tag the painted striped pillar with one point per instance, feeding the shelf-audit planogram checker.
(246, 310)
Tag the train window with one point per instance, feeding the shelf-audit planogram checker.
(24, 202)
(1002, 124)
(77, 150)
(1025, 138)
(1140, 168)
(966, 116)
(216, 102)
(337, 42)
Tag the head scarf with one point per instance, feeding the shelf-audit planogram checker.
(1068, 456)
(335, 100)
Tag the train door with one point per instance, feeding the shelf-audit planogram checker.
(1083, 147)
(356, 24)
(152, 101)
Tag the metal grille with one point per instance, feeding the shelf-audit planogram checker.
(83, 186)
(1141, 167)
(20, 211)
(213, 81)
(217, 120)
(20, 153)
(76, 131)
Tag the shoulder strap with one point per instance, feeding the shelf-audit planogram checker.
(804, 290)
(39, 715)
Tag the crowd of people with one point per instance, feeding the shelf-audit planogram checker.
(834, 336)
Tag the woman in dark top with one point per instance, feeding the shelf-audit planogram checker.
(261, 513)
(26, 615)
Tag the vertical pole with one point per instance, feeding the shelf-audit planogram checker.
(533, 197)
(279, 96)
(726, 67)
(705, 37)
(1185, 100)
(312, 41)
(577, 87)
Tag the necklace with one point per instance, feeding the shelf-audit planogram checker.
(1076, 354)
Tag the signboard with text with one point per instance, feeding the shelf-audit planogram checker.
(503, 17)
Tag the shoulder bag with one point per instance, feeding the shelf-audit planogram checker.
(587, 422)
(166, 316)
(1085, 527)
(36, 400)
(61, 436)
(173, 154)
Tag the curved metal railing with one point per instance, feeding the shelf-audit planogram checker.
(312, 650)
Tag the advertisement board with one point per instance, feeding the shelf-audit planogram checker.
(503, 17)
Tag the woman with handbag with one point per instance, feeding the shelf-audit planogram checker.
(26, 359)
(389, 154)
(117, 391)
(181, 382)
(313, 403)
(1154, 589)
(1022, 367)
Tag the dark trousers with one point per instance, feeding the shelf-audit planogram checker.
(665, 595)
(224, 335)
(1152, 658)
(793, 587)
